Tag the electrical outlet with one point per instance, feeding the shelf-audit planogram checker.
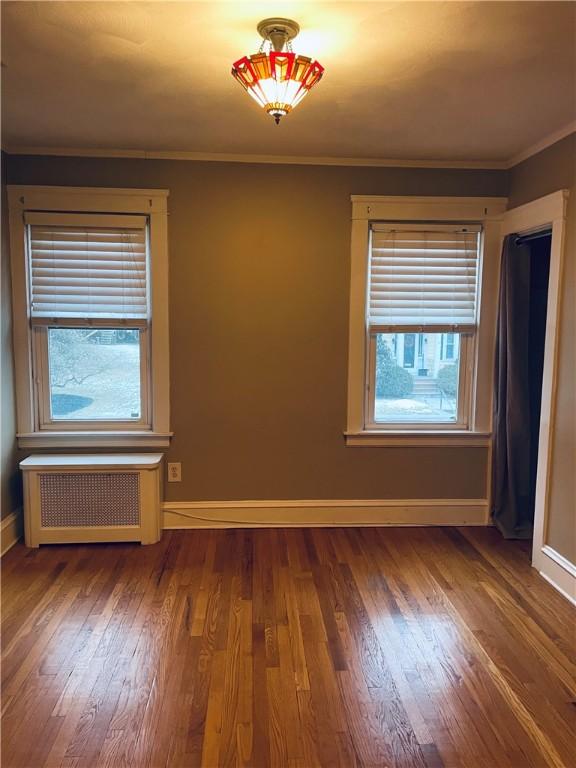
(174, 471)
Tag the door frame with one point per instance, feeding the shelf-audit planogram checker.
(547, 212)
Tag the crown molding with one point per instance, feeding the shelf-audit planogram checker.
(224, 157)
(544, 143)
(360, 162)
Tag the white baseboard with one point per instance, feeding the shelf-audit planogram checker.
(11, 530)
(317, 513)
(558, 571)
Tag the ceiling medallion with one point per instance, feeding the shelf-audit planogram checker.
(276, 77)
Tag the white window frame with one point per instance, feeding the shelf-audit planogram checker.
(474, 423)
(35, 427)
(40, 361)
(467, 348)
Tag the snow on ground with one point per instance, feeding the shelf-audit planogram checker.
(112, 393)
(427, 408)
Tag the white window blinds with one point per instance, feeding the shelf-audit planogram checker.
(423, 277)
(88, 267)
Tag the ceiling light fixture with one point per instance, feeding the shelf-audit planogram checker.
(276, 77)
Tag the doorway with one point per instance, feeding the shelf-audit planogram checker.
(520, 343)
(547, 212)
(409, 342)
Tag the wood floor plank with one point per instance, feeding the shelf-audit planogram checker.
(494, 690)
(297, 648)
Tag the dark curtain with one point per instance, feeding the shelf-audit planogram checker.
(518, 383)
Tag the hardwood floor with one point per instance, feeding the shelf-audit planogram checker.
(335, 647)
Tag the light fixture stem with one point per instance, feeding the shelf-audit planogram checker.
(278, 38)
(278, 32)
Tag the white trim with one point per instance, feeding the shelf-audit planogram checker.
(536, 214)
(483, 381)
(313, 503)
(86, 462)
(323, 512)
(357, 346)
(562, 561)
(21, 330)
(413, 209)
(544, 143)
(11, 530)
(559, 572)
(159, 358)
(33, 189)
(153, 204)
(548, 211)
(564, 592)
(43, 218)
(407, 439)
(27, 197)
(89, 439)
(75, 322)
(227, 157)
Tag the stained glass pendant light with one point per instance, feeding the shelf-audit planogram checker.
(276, 77)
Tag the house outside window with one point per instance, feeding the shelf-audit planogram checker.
(433, 368)
(417, 332)
(422, 282)
(448, 346)
(90, 300)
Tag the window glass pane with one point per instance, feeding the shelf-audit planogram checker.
(417, 377)
(94, 374)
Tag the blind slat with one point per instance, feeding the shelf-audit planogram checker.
(78, 292)
(423, 278)
(88, 272)
(79, 256)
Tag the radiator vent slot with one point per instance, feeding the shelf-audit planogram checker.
(89, 499)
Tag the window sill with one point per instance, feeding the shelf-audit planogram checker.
(94, 439)
(405, 439)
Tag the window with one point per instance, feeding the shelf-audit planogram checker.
(85, 283)
(422, 284)
(416, 327)
(448, 346)
(90, 318)
(426, 393)
(94, 375)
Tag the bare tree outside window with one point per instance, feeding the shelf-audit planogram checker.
(72, 358)
(94, 373)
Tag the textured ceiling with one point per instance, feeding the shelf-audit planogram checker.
(418, 80)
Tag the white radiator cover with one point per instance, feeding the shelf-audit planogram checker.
(92, 498)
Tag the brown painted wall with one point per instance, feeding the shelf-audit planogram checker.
(10, 494)
(550, 170)
(259, 281)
